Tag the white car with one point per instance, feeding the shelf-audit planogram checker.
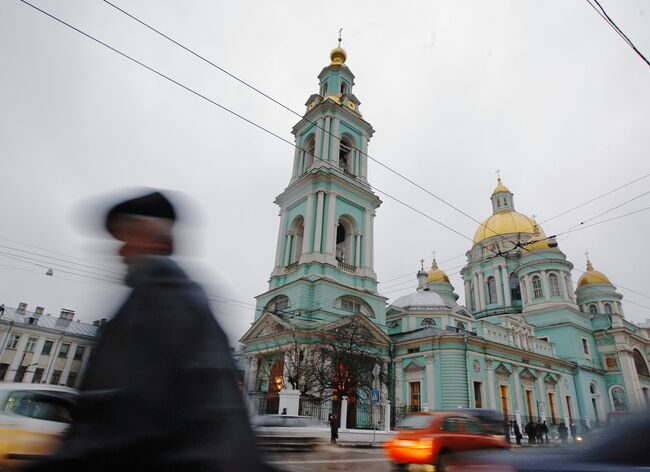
(33, 417)
(289, 431)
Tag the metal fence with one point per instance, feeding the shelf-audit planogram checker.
(268, 404)
(319, 410)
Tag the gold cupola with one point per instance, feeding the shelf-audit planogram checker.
(435, 274)
(592, 276)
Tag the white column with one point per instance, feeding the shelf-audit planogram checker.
(68, 364)
(29, 376)
(562, 283)
(331, 224)
(497, 280)
(542, 394)
(336, 140)
(631, 380)
(18, 358)
(431, 393)
(344, 413)
(318, 142)
(309, 223)
(296, 161)
(516, 395)
(318, 235)
(278, 249)
(477, 299)
(481, 290)
(506, 285)
(468, 294)
(371, 239)
(544, 277)
(326, 139)
(398, 383)
(357, 252)
(364, 158)
(387, 417)
(529, 289)
(368, 225)
(489, 373)
(287, 249)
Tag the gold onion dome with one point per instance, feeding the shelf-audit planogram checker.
(507, 222)
(436, 275)
(500, 187)
(592, 276)
(338, 56)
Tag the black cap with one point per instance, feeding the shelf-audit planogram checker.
(154, 204)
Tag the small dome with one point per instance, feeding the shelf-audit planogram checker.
(592, 277)
(506, 222)
(421, 298)
(436, 275)
(500, 187)
(338, 56)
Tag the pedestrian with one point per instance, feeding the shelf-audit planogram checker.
(334, 428)
(530, 432)
(518, 435)
(544, 432)
(506, 430)
(574, 434)
(2, 309)
(563, 432)
(160, 391)
(284, 411)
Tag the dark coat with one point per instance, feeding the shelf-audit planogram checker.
(517, 431)
(160, 392)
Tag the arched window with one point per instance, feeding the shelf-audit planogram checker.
(608, 308)
(294, 248)
(344, 88)
(460, 325)
(346, 242)
(640, 363)
(428, 322)
(278, 304)
(553, 284)
(515, 290)
(354, 305)
(593, 309)
(492, 290)
(323, 89)
(346, 163)
(538, 292)
(309, 151)
(593, 389)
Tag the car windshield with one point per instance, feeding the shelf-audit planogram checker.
(416, 422)
(42, 405)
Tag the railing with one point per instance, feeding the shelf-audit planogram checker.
(319, 410)
(497, 311)
(268, 404)
(347, 267)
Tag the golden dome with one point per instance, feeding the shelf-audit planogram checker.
(506, 222)
(500, 187)
(338, 56)
(592, 277)
(436, 275)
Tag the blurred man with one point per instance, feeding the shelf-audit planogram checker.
(160, 392)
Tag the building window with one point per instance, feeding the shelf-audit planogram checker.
(72, 378)
(414, 388)
(538, 292)
(411, 350)
(47, 348)
(56, 376)
(460, 325)
(345, 156)
(529, 404)
(608, 308)
(79, 353)
(323, 89)
(640, 364)
(515, 290)
(63, 352)
(13, 341)
(351, 304)
(31, 344)
(492, 290)
(478, 395)
(428, 322)
(3, 370)
(344, 88)
(554, 286)
(505, 400)
(585, 346)
(551, 404)
(38, 376)
(593, 309)
(610, 362)
(20, 373)
(309, 152)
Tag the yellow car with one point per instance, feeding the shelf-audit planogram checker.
(33, 417)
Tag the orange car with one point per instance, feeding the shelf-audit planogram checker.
(428, 438)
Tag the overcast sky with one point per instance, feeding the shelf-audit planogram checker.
(545, 91)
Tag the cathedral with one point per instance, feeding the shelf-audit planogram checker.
(526, 342)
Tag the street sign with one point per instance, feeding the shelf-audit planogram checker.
(374, 397)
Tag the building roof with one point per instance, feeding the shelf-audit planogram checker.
(48, 321)
(420, 299)
(418, 334)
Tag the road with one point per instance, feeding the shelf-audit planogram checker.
(329, 458)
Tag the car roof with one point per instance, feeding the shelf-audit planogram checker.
(13, 386)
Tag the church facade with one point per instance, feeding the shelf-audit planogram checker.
(526, 342)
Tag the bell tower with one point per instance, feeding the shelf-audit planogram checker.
(324, 253)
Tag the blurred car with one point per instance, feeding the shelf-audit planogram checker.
(623, 447)
(428, 439)
(491, 419)
(33, 418)
(289, 431)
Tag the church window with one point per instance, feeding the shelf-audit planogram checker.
(608, 308)
(345, 156)
(278, 304)
(515, 290)
(309, 151)
(585, 346)
(323, 89)
(350, 304)
(640, 363)
(344, 88)
(538, 292)
(428, 322)
(593, 309)
(492, 290)
(554, 285)
(460, 325)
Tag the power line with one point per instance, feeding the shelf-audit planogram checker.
(603, 14)
(611, 209)
(595, 198)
